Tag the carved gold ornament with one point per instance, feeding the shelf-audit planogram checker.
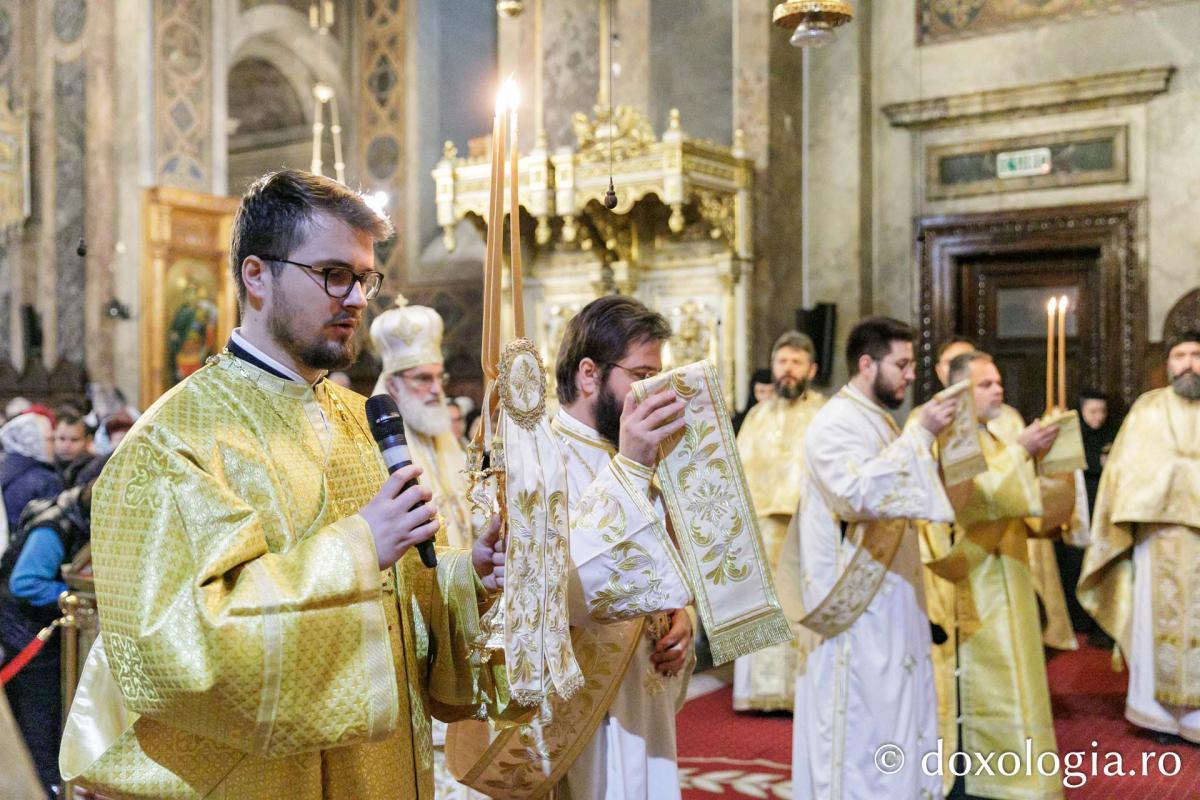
(522, 383)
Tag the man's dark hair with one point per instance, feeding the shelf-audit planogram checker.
(1092, 394)
(960, 365)
(1179, 337)
(603, 331)
(274, 210)
(873, 337)
(953, 340)
(66, 416)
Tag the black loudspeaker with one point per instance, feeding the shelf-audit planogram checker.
(820, 324)
(31, 324)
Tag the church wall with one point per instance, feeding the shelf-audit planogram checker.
(1164, 141)
(691, 66)
(57, 60)
(11, 43)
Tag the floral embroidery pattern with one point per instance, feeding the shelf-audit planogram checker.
(633, 589)
(126, 662)
(706, 485)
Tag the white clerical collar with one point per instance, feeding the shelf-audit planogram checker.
(871, 405)
(244, 343)
(857, 395)
(580, 431)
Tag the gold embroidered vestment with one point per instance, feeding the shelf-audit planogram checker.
(258, 650)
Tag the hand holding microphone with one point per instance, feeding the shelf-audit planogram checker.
(400, 515)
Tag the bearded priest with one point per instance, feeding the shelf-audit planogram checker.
(770, 444)
(1139, 575)
(409, 340)
(991, 674)
(628, 585)
(266, 627)
(865, 707)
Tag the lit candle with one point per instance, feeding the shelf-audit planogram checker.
(1051, 306)
(498, 249)
(1062, 352)
(515, 214)
(493, 199)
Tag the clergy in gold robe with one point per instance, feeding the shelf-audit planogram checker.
(1139, 576)
(266, 629)
(770, 444)
(851, 571)
(409, 341)
(991, 674)
(1059, 493)
(1007, 425)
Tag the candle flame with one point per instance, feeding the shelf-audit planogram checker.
(1052, 305)
(507, 97)
(1062, 304)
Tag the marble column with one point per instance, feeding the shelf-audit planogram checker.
(11, 42)
(768, 107)
(570, 64)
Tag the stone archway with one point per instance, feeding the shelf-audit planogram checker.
(268, 127)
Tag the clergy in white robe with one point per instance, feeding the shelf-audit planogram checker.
(865, 705)
(632, 754)
(625, 569)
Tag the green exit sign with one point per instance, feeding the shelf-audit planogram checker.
(1023, 163)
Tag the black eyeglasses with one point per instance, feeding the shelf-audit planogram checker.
(639, 373)
(339, 281)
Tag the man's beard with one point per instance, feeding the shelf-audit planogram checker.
(884, 394)
(608, 415)
(988, 413)
(791, 389)
(426, 418)
(314, 354)
(1187, 385)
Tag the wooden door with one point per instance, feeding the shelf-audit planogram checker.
(1003, 307)
(988, 276)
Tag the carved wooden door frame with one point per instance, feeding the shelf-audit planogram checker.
(943, 242)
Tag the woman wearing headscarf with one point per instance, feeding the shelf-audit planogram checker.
(28, 470)
(762, 386)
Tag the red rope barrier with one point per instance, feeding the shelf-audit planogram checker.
(32, 649)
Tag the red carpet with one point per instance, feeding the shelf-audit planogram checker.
(723, 754)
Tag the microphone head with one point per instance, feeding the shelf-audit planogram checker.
(383, 417)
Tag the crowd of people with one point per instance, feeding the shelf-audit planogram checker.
(267, 631)
(49, 462)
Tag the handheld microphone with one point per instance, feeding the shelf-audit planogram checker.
(387, 427)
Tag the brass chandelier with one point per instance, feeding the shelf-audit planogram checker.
(813, 22)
